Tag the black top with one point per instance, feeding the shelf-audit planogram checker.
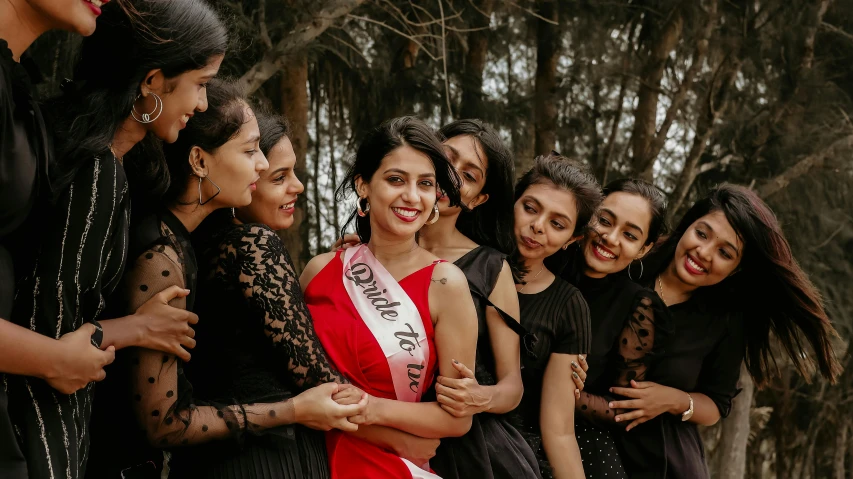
(161, 256)
(77, 262)
(482, 267)
(23, 157)
(559, 318)
(705, 356)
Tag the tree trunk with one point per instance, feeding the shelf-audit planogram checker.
(547, 48)
(731, 453)
(475, 61)
(663, 41)
(310, 24)
(294, 105)
(841, 451)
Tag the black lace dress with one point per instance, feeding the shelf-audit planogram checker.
(558, 317)
(629, 331)
(492, 448)
(256, 344)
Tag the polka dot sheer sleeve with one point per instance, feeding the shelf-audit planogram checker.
(162, 396)
(641, 342)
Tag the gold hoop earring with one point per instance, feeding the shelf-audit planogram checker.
(362, 213)
(434, 215)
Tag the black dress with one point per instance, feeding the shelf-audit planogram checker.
(161, 256)
(559, 318)
(492, 448)
(256, 344)
(78, 261)
(704, 355)
(23, 158)
(628, 322)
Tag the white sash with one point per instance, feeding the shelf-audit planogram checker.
(396, 324)
(393, 319)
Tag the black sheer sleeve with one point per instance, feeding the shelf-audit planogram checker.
(642, 340)
(162, 396)
(271, 290)
(718, 378)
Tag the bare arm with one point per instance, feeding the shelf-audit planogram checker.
(466, 397)
(557, 418)
(67, 365)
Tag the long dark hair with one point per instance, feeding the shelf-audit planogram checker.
(208, 130)
(489, 224)
(770, 288)
(132, 38)
(559, 171)
(378, 144)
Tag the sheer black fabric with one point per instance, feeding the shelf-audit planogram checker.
(630, 329)
(255, 344)
(704, 355)
(78, 261)
(492, 448)
(559, 318)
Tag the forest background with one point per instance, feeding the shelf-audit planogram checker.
(685, 93)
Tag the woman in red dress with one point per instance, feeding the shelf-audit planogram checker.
(389, 314)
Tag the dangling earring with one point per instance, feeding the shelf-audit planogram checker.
(146, 117)
(358, 210)
(641, 270)
(218, 190)
(434, 215)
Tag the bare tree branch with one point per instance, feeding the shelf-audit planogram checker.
(413, 38)
(838, 31)
(686, 85)
(306, 30)
(803, 166)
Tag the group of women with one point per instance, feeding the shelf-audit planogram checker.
(472, 327)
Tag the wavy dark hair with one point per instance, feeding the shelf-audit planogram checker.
(208, 130)
(132, 38)
(489, 224)
(378, 144)
(273, 128)
(770, 288)
(561, 172)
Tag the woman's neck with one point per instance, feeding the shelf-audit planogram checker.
(671, 289)
(20, 25)
(387, 247)
(438, 235)
(191, 215)
(534, 267)
(129, 133)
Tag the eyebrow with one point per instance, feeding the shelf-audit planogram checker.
(253, 139)
(406, 173)
(279, 170)
(704, 223)
(630, 225)
(540, 206)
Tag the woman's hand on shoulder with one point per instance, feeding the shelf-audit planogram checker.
(317, 408)
(347, 241)
(164, 327)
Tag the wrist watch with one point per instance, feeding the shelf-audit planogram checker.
(686, 415)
